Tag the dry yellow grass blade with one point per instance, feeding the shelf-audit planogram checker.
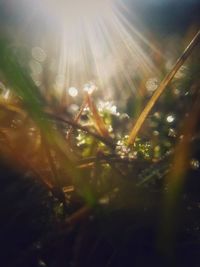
(9, 106)
(98, 121)
(136, 128)
(77, 117)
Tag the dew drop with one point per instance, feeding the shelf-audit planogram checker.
(194, 163)
(157, 115)
(170, 118)
(104, 200)
(155, 133)
(89, 88)
(177, 92)
(73, 92)
(41, 263)
(172, 133)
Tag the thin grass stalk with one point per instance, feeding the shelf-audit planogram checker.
(136, 128)
(98, 121)
(77, 117)
(105, 141)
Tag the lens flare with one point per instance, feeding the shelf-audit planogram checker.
(93, 40)
(73, 92)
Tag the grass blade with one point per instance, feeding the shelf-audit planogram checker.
(136, 128)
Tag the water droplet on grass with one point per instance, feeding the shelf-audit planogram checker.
(170, 118)
(73, 92)
(194, 163)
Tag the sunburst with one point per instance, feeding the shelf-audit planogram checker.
(95, 41)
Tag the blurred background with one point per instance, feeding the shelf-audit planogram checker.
(132, 39)
(88, 68)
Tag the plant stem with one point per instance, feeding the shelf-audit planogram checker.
(83, 128)
(77, 117)
(98, 121)
(136, 128)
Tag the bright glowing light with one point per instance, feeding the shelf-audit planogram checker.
(109, 107)
(89, 88)
(73, 92)
(93, 41)
(6, 94)
(97, 42)
(172, 132)
(195, 164)
(170, 118)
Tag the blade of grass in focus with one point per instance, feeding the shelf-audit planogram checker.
(136, 128)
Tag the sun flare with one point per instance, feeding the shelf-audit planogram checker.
(93, 40)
